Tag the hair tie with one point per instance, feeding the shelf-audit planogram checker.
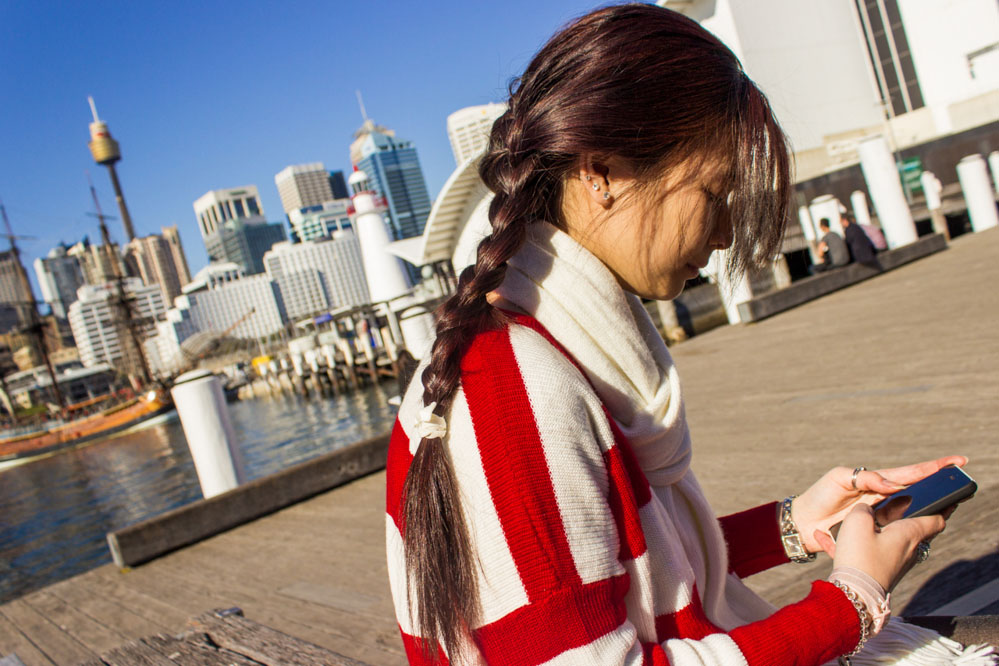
(430, 425)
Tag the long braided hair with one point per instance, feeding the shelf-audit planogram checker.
(637, 82)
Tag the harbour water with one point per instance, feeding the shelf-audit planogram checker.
(55, 512)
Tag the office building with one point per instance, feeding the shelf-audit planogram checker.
(153, 259)
(93, 321)
(468, 129)
(13, 287)
(172, 237)
(59, 276)
(913, 71)
(214, 208)
(234, 228)
(318, 276)
(393, 169)
(303, 186)
(319, 221)
(244, 243)
(97, 261)
(338, 185)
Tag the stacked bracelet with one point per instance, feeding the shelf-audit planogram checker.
(790, 536)
(865, 620)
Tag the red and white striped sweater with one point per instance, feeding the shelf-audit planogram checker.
(579, 562)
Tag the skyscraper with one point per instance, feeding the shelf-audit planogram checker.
(97, 334)
(97, 261)
(13, 292)
(468, 129)
(234, 228)
(303, 185)
(152, 259)
(317, 222)
(393, 169)
(59, 276)
(172, 236)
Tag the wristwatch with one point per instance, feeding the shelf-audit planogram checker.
(790, 536)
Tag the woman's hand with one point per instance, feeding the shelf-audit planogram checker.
(830, 498)
(885, 554)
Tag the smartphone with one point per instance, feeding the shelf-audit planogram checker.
(945, 487)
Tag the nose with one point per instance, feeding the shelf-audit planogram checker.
(721, 238)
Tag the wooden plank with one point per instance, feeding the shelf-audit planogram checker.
(102, 604)
(90, 633)
(12, 641)
(264, 644)
(193, 649)
(114, 584)
(57, 645)
(135, 653)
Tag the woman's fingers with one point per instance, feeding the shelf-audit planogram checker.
(825, 542)
(911, 473)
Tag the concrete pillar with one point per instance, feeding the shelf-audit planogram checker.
(204, 416)
(932, 187)
(782, 274)
(885, 188)
(808, 228)
(858, 202)
(827, 206)
(733, 290)
(994, 167)
(978, 193)
(419, 332)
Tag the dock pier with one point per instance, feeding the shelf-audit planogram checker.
(901, 367)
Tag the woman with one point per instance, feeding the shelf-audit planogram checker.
(540, 503)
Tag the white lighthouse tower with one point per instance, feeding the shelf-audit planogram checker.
(385, 274)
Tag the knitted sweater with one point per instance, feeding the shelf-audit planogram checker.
(578, 560)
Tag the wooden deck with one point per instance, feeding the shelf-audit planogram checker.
(902, 367)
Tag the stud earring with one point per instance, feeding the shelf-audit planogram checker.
(606, 196)
(589, 178)
(596, 187)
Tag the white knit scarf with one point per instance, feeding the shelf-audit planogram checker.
(577, 299)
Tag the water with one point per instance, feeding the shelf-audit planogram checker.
(55, 512)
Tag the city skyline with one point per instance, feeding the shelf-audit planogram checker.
(195, 107)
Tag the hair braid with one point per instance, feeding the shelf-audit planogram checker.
(438, 551)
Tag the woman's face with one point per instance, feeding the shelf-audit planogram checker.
(653, 243)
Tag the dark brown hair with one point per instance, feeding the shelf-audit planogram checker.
(643, 84)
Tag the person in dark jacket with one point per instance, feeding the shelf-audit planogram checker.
(832, 249)
(861, 248)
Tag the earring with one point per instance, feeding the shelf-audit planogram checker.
(596, 187)
(606, 196)
(589, 178)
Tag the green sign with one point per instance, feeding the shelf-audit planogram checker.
(910, 170)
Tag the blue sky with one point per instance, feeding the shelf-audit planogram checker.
(209, 95)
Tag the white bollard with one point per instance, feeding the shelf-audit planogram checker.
(994, 166)
(858, 202)
(204, 416)
(932, 187)
(827, 206)
(885, 188)
(978, 193)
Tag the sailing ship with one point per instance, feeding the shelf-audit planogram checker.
(134, 406)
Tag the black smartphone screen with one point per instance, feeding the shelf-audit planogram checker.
(935, 493)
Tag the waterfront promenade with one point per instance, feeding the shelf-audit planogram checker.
(899, 368)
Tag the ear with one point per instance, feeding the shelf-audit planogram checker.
(595, 177)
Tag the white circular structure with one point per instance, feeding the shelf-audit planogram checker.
(204, 416)
(885, 188)
(384, 272)
(978, 193)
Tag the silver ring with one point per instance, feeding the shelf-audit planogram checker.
(853, 479)
(922, 552)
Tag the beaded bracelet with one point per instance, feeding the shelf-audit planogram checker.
(865, 620)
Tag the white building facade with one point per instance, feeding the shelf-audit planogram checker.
(216, 207)
(319, 276)
(303, 186)
(92, 319)
(837, 72)
(468, 129)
